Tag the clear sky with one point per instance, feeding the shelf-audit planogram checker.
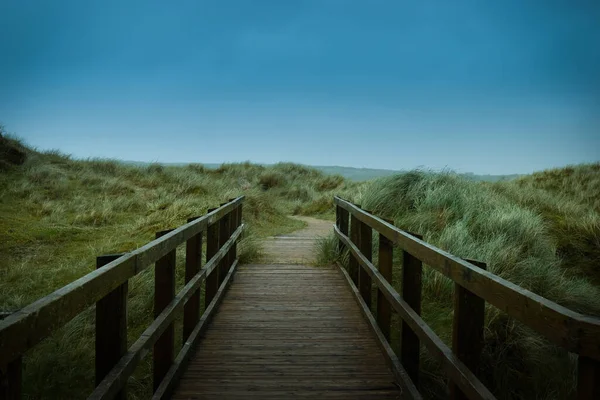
(490, 87)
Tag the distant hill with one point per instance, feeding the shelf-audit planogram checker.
(357, 174)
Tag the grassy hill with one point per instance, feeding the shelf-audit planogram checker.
(352, 173)
(57, 214)
(540, 231)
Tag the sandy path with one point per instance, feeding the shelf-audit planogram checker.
(297, 247)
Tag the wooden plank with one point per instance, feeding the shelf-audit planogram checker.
(386, 263)
(402, 377)
(311, 349)
(588, 379)
(353, 266)
(212, 247)
(111, 327)
(28, 326)
(166, 387)
(410, 348)
(11, 378)
(193, 260)
(164, 293)
(224, 227)
(117, 377)
(455, 368)
(365, 244)
(342, 219)
(575, 332)
(467, 330)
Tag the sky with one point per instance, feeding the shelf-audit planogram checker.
(489, 87)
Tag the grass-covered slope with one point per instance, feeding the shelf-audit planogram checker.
(541, 232)
(57, 214)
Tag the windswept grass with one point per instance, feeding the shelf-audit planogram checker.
(57, 214)
(541, 232)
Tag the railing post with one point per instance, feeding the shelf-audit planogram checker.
(111, 327)
(10, 380)
(354, 238)
(386, 261)
(193, 261)
(366, 248)
(341, 220)
(212, 247)
(412, 270)
(233, 226)
(224, 233)
(164, 293)
(588, 378)
(467, 330)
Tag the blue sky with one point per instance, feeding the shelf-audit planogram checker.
(477, 86)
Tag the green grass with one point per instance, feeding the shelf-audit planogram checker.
(57, 214)
(541, 232)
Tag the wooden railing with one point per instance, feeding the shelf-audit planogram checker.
(107, 288)
(474, 286)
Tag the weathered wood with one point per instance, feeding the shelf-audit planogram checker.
(212, 246)
(164, 293)
(265, 342)
(409, 389)
(233, 224)
(172, 377)
(11, 377)
(111, 327)
(365, 244)
(575, 332)
(117, 377)
(193, 261)
(342, 219)
(467, 330)
(410, 348)
(386, 262)
(588, 378)
(224, 226)
(353, 266)
(29, 325)
(455, 368)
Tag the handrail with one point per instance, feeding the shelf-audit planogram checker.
(571, 330)
(114, 381)
(455, 368)
(26, 327)
(575, 332)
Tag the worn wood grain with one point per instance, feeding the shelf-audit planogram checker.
(118, 376)
(575, 332)
(410, 345)
(212, 247)
(409, 389)
(111, 327)
(180, 363)
(454, 368)
(365, 244)
(26, 327)
(293, 335)
(467, 330)
(164, 291)
(385, 265)
(193, 261)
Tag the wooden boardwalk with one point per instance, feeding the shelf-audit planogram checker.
(287, 331)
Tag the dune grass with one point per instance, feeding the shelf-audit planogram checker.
(57, 214)
(541, 232)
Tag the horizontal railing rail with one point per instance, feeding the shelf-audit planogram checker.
(573, 331)
(107, 288)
